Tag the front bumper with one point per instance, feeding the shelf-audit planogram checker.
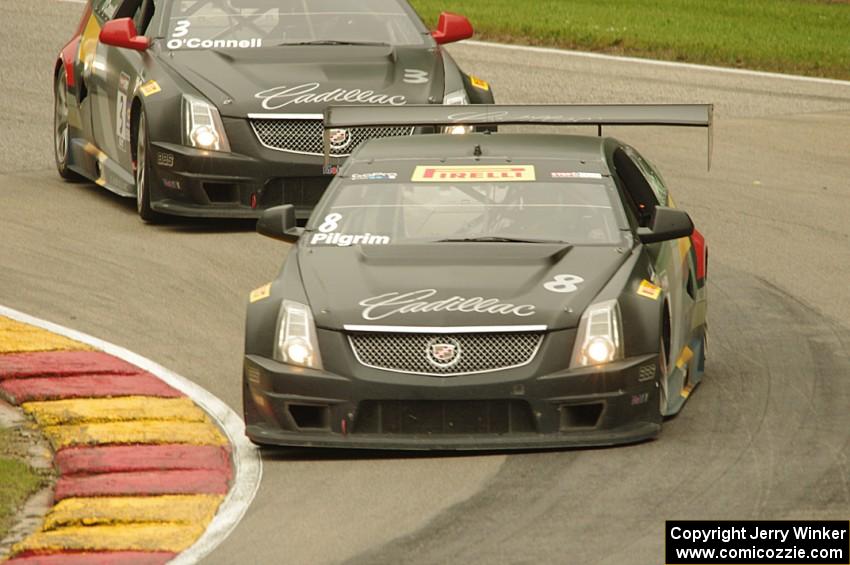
(192, 182)
(290, 406)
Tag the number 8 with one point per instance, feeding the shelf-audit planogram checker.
(331, 223)
(564, 284)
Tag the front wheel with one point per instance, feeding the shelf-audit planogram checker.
(61, 128)
(143, 194)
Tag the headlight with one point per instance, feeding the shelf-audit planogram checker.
(296, 342)
(202, 127)
(457, 98)
(600, 338)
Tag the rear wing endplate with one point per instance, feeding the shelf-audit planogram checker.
(599, 115)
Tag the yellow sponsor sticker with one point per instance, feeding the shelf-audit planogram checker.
(474, 173)
(649, 290)
(684, 247)
(261, 293)
(685, 357)
(478, 83)
(149, 88)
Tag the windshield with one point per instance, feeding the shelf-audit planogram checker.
(353, 213)
(205, 24)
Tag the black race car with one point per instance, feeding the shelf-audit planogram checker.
(481, 291)
(214, 107)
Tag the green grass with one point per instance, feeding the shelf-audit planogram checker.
(791, 36)
(17, 480)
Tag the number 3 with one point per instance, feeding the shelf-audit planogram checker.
(415, 76)
(182, 28)
(564, 284)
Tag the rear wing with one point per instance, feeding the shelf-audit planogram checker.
(599, 115)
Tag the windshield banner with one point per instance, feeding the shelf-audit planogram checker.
(474, 173)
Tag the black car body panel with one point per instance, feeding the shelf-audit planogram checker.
(515, 308)
(269, 95)
(515, 274)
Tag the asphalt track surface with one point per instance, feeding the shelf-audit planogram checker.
(767, 434)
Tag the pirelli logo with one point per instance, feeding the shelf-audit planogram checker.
(475, 173)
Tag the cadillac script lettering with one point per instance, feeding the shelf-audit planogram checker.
(386, 305)
(281, 96)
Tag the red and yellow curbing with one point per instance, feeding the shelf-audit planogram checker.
(142, 469)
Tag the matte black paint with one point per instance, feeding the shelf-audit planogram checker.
(230, 79)
(333, 281)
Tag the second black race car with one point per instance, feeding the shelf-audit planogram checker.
(214, 107)
(481, 291)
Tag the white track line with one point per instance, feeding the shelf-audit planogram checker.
(246, 459)
(637, 60)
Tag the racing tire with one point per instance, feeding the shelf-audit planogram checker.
(62, 128)
(142, 174)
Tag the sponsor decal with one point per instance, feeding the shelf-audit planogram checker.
(474, 173)
(443, 352)
(649, 290)
(575, 175)
(261, 293)
(478, 83)
(564, 284)
(347, 240)
(374, 176)
(330, 169)
(172, 184)
(164, 159)
(638, 399)
(504, 116)
(415, 76)
(310, 93)
(197, 43)
(685, 357)
(417, 302)
(150, 88)
(181, 30)
(122, 112)
(327, 235)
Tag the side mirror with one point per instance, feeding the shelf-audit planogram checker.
(279, 223)
(667, 224)
(122, 33)
(451, 28)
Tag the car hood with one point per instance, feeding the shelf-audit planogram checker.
(306, 79)
(455, 284)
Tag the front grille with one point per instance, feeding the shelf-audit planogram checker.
(429, 354)
(305, 136)
(445, 417)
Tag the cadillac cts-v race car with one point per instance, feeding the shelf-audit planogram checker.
(481, 291)
(214, 107)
